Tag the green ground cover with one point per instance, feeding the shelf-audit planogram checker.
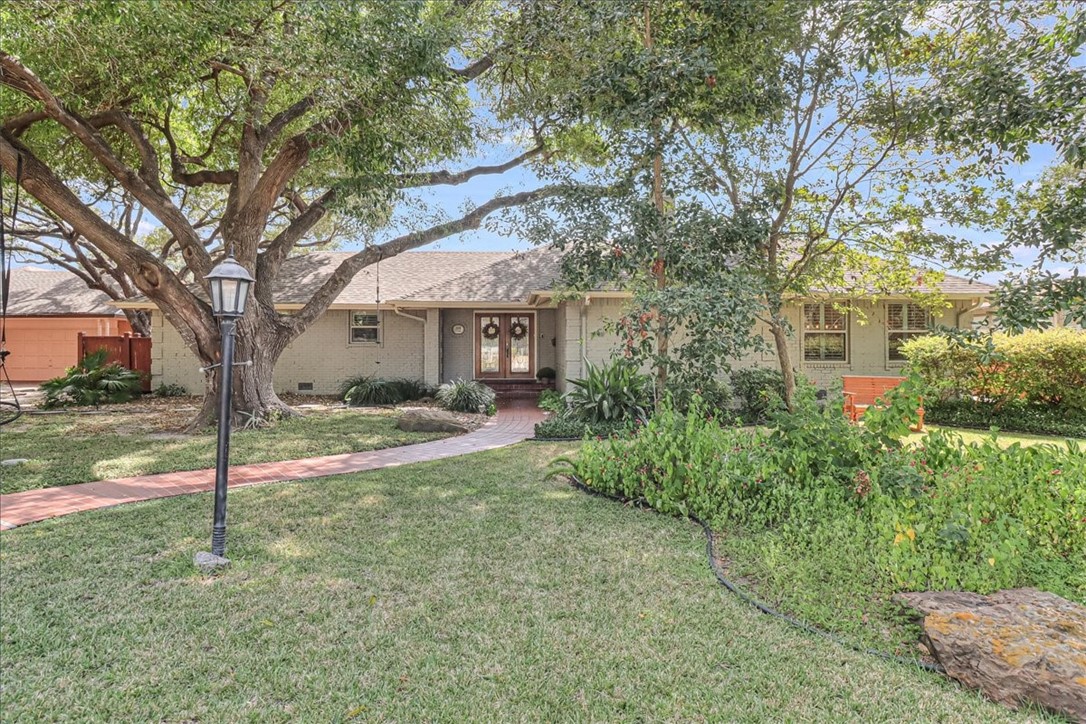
(1004, 439)
(826, 520)
(464, 589)
(67, 448)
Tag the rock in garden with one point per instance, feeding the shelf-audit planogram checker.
(209, 563)
(430, 421)
(1016, 646)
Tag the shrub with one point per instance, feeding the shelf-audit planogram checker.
(563, 427)
(552, 401)
(465, 396)
(941, 515)
(170, 390)
(760, 391)
(1045, 368)
(716, 395)
(546, 373)
(1015, 416)
(410, 389)
(612, 392)
(369, 390)
(92, 382)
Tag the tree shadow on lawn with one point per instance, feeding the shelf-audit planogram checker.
(67, 449)
(450, 590)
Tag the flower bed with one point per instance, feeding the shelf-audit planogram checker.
(826, 505)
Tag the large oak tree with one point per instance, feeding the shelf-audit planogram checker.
(245, 127)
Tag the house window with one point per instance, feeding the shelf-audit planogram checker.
(903, 322)
(365, 328)
(825, 333)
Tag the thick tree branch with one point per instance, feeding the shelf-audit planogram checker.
(17, 76)
(271, 260)
(150, 275)
(452, 178)
(474, 70)
(284, 118)
(350, 266)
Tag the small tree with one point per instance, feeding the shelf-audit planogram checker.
(640, 71)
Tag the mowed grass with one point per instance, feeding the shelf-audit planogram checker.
(1005, 439)
(68, 448)
(461, 590)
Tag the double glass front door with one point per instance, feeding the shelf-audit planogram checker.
(505, 345)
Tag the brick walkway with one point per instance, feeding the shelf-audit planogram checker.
(512, 424)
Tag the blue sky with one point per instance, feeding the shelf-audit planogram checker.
(451, 200)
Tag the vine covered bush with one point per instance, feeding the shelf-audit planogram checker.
(760, 391)
(940, 515)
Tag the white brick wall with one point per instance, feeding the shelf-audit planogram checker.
(867, 343)
(321, 355)
(427, 349)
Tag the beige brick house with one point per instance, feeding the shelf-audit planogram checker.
(493, 317)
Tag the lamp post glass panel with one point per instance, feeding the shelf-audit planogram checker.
(229, 284)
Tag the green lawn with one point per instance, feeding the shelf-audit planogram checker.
(1006, 439)
(465, 589)
(70, 448)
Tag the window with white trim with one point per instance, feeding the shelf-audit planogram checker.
(904, 321)
(825, 333)
(365, 328)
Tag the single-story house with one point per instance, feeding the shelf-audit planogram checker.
(494, 317)
(47, 309)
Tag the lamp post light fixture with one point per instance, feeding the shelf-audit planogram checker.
(229, 283)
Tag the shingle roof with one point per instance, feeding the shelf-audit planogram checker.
(402, 275)
(46, 292)
(448, 277)
(507, 280)
(950, 284)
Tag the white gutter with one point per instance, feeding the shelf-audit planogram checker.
(400, 313)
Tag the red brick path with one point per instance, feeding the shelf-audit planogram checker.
(512, 424)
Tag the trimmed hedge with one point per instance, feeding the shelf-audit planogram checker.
(1012, 417)
(1043, 368)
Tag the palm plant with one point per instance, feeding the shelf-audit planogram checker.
(92, 382)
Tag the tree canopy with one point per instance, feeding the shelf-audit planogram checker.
(244, 127)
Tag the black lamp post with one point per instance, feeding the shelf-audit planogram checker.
(229, 283)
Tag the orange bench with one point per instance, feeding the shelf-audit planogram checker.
(863, 392)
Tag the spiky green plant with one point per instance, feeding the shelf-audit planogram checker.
(465, 396)
(92, 382)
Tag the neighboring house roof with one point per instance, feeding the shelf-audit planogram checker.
(51, 293)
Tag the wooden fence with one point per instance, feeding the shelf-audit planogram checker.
(129, 351)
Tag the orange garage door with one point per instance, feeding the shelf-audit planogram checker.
(43, 347)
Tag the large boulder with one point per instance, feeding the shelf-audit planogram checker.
(1016, 646)
(431, 421)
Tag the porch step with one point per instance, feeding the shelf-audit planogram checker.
(518, 389)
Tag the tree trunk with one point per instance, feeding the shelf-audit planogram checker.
(139, 320)
(259, 344)
(659, 267)
(784, 357)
